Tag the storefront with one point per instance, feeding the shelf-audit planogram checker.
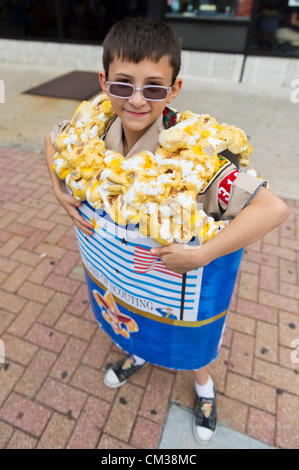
(214, 26)
(249, 27)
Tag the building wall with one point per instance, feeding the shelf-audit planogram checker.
(258, 70)
(77, 56)
(271, 71)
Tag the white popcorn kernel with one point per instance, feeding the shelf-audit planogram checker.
(93, 131)
(96, 100)
(105, 174)
(84, 137)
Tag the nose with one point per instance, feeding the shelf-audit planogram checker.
(137, 98)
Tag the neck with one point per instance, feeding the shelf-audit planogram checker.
(130, 138)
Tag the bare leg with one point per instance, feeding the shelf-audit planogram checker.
(201, 376)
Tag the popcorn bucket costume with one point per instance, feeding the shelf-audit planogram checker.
(149, 198)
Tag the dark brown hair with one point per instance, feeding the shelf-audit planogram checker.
(136, 39)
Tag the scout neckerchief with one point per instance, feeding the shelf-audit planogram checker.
(169, 117)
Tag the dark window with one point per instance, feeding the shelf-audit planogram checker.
(276, 28)
(65, 20)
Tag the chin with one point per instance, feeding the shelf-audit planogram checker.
(138, 126)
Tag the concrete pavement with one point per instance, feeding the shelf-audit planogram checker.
(176, 434)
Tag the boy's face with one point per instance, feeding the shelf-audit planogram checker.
(136, 113)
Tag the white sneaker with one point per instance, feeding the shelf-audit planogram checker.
(205, 419)
(121, 371)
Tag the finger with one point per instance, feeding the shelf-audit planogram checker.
(161, 251)
(76, 216)
(172, 267)
(74, 213)
(83, 229)
(71, 200)
(166, 260)
(84, 225)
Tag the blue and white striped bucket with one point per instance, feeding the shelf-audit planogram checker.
(168, 319)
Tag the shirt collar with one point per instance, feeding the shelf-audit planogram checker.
(148, 141)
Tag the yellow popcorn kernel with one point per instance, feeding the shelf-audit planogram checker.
(206, 228)
(60, 143)
(107, 109)
(78, 186)
(87, 173)
(205, 133)
(60, 168)
(197, 149)
(188, 129)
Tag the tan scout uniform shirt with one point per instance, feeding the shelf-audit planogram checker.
(242, 189)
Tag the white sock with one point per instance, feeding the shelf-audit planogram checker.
(138, 361)
(207, 390)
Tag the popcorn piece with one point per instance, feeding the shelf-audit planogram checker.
(60, 167)
(61, 141)
(77, 185)
(98, 100)
(94, 195)
(234, 139)
(188, 115)
(121, 212)
(155, 221)
(173, 139)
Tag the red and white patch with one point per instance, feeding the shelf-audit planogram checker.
(225, 186)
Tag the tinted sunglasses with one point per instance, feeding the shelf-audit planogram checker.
(149, 92)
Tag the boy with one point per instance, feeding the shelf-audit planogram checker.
(142, 52)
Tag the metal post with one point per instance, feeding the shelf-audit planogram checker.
(59, 23)
(250, 32)
(183, 296)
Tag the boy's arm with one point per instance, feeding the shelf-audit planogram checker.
(66, 200)
(264, 212)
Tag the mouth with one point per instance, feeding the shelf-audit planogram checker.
(134, 114)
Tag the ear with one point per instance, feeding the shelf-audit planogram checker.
(175, 90)
(103, 83)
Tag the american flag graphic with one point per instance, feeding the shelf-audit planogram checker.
(145, 261)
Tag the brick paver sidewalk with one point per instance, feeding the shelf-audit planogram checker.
(51, 384)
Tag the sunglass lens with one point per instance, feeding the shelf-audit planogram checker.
(121, 89)
(154, 93)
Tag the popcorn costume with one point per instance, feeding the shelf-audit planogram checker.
(150, 198)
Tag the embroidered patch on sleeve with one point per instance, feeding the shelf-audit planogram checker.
(225, 186)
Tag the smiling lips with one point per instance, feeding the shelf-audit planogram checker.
(132, 113)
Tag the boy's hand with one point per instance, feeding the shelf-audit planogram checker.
(70, 206)
(180, 258)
